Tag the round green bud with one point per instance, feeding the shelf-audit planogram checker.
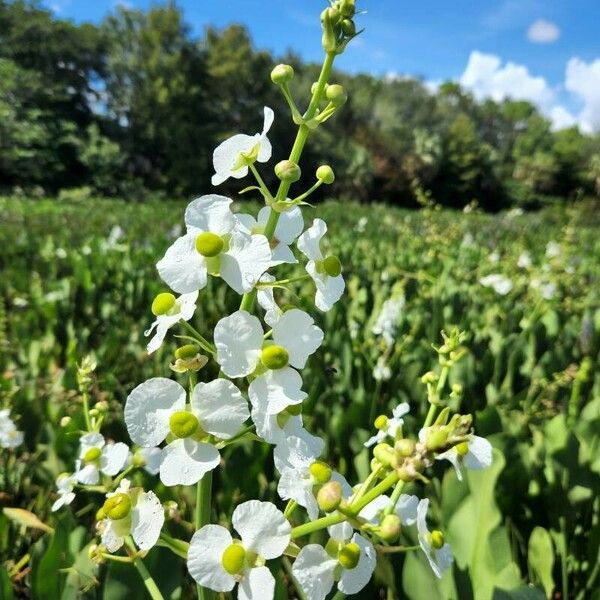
(117, 507)
(349, 555)
(437, 539)
(101, 406)
(325, 174)
(457, 389)
(314, 86)
(405, 475)
(288, 171)
(274, 357)
(65, 421)
(336, 94)
(380, 422)
(162, 304)
(92, 455)
(294, 410)
(384, 453)
(347, 7)
(462, 448)
(183, 424)
(282, 74)
(405, 447)
(94, 412)
(233, 558)
(329, 496)
(389, 529)
(429, 377)
(187, 351)
(320, 471)
(209, 244)
(332, 266)
(348, 27)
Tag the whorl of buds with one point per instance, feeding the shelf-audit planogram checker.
(329, 496)
(282, 74)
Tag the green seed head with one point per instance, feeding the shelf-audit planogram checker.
(187, 351)
(163, 303)
(282, 74)
(183, 424)
(288, 171)
(294, 410)
(332, 266)
(437, 539)
(209, 244)
(325, 174)
(349, 555)
(274, 357)
(329, 496)
(92, 455)
(320, 471)
(336, 94)
(348, 27)
(117, 507)
(233, 558)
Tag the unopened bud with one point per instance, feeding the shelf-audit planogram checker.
(94, 412)
(171, 509)
(389, 530)
(457, 389)
(405, 474)
(65, 421)
(336, 94)
(320, 471)
(101, 406)
(405, 447)
(329, 496)
(347, 8)
(325, 174)
(288, 171)
(384, 453)
(429, 377)
(282, 74)
(348, 27)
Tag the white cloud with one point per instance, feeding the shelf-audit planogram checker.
(583, 80)
(543, 32)
(561, 118)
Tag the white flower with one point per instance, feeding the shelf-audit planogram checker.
(64, 484)
(361, 224)
(406, 509)
(157, 407)
(131, 512)
(315, 570)
(266, 300)
(241, 348)
(215, 242)
(182, 310)
(552, 250)
(151, 459)
(474, 454)
(10, 436)
(438, 553)
(387, 320)
(524, 260)
(381, 371)
(391, 426)
(547, 289)
(96, 456)
(494, 257)
(217, 562)
(325, 271)
(227, 161)
(499, 283)
(289, 227)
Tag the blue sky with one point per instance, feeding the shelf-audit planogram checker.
(547, 51)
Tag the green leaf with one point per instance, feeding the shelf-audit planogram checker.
(541, 558)
(521, 593)
(6, 589)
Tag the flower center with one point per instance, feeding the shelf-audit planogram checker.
(349, 555)
(437, 539)
(162, 304)
(183, 424)
(117, 507)
(381, 422)
(332, 266)
(233, 558)
(320, 471)
(274, 357)
(462, 448)
(92, 455)
(209, 244)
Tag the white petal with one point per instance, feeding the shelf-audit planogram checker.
(346, 487)
(262, 527)
(402, 409)
(280, 389)
(226, 156)
(294, 427)
(248, 257)
(152, 459)
(187, 305)
(309, 241)
(210, 213)
(354, 580)
(314, 570)
(113, 458)
(88, 475)
(479, 455)
(186, 461)
(257, 584)
(239, 339)
(281, 254)
(247, 222)
(112, 535)
(204, 558)
(162, 326)
(372, 511)
(452, 456)
(329, 289)
(182, 267)
(289, 226)
(292, 485)
(341, 532)
(269, 118)
(297, 333)
(220, 407)
(266, 300)
(294, 453)
(90, 440)
(265, 151)
(147, 518)
(406, 509)
(149, 407)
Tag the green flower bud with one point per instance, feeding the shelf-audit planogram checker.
(288, 171)
(233, 558)
(274, 357)
(282, 74)
(329, 496)
(65, 421)
(94, 412)
(405, 474)
(320, 471)
(384, 453)
(163, 303)
(332, 266)
(381, 422)
(183, 424)
(336, 94)
(101, 406)
(429, 377)
(436, 438)
(117, 507)
(405, 447)
(457, 389)
(349, 555)
(437, 539)
(92, 455)
(347, 8)
(389, 530)
(462, 448)
(348, 27)
(294, 410)
(325, 174)
(187, 351)
(209, 244)
(329, 20)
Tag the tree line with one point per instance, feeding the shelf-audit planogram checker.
(136, 104)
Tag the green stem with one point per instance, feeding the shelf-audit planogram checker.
(430, 415)
(138, 563)
(203, 501)
(290, 508)
(564, 571)
(309, 191)
(394, 499)
(261, 184)
(86, 411)
(124, 474)
(366, 485)
(178, 547)
(204, 343)
(338, 595)
(288, 569)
